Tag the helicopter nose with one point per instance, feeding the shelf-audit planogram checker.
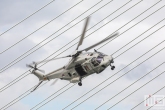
(108, 59)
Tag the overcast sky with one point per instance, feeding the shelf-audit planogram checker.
(60, 32)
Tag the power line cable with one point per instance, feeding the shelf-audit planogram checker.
(27, 17)
(40, 28)
(136, 90)
(130, 85)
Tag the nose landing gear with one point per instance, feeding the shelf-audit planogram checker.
(80, 83)
(112, 67)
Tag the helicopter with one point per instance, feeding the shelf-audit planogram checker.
(81, 64)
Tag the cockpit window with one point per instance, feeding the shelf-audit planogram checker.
(99, 59)
(96, 61)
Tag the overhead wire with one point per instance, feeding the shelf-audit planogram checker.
(54, 53)
(131, 85)
(39, 28)
(27, 17)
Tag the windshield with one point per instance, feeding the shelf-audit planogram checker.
(96, 61)
(99, 59)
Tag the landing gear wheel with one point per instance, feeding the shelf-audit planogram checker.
(80, 84)
(112, 67)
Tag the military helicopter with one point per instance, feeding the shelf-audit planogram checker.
(81, 64)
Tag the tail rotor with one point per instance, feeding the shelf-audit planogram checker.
(34, 67)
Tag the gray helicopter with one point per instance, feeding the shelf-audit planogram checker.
(81, 64)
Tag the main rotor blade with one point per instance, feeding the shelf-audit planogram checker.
(109, 37)
(52, 59)
(83, 33)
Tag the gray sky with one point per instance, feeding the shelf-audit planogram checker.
(12, 12)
